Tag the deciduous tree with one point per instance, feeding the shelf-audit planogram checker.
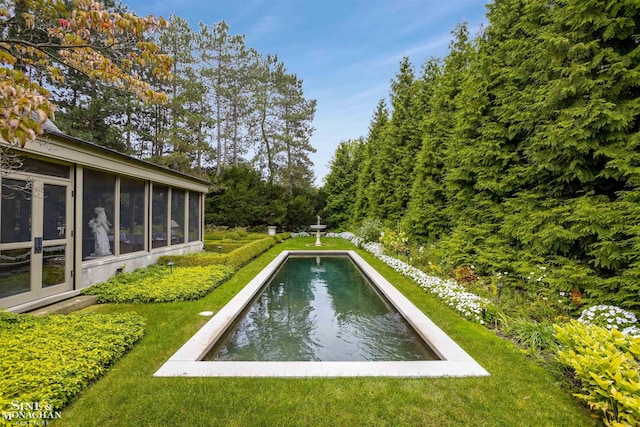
(39, 38)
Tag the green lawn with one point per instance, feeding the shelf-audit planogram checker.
(518, 392)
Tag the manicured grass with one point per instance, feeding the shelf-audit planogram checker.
(518, 392)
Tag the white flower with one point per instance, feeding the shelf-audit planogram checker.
(608, 316)
(634, 331)
(450, 292)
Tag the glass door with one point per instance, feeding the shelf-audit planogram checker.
(35, 240)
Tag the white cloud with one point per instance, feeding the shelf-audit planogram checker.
(267, 24)
(432, 47)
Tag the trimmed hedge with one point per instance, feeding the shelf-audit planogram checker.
(237, 234)
(157, 283)
(228, 245)
(225, 248)
(607, 363)
(51, 359)
(234, 259)
(283, 236)
(161, 284)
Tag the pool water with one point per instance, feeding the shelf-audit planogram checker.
(320, 309)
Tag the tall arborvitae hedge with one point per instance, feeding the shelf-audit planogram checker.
(399, 144)
(340, 182)
(520, 149)
(427, 218)
(366, 201)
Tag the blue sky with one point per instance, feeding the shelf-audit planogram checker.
(345, 51)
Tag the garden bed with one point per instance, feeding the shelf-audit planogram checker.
(49, 360)
(161, 284)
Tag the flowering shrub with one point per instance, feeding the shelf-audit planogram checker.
(610, 317)
(632, 331)
(398, 242)
(358, 241)
(371, 230)
(301, 234)
(451, 293)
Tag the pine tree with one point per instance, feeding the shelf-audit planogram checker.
(296, 115)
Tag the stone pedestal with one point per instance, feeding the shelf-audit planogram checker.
(318, 228)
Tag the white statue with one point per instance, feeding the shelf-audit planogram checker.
(100, 227)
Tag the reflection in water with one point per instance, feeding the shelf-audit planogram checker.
(320, 310)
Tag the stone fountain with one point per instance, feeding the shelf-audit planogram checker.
(318, 227)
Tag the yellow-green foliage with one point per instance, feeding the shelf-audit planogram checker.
(192, 276)
(607, 363)
(232, 235)
(216, 235)
(51, 359)
(234, 259)
(161, 284)
(235, 234)
(212, 246)
(242, 232)
(283, 236)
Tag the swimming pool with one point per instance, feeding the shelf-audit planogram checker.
(445, 357)
(320, 309)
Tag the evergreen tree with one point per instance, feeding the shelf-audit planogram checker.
(494, 119)
(340, 184)
(425, 216)
(172, 139)
(589, 148)
(296, 114)
(529, 149)
(266, 124)
(92, 111)
(365, 205)
(399, 145)
(243, 198)
(239, 199)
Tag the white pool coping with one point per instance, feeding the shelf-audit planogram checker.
(186, 362)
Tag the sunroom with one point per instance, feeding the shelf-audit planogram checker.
(73, 214)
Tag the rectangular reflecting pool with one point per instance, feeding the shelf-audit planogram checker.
(320, 309)
(320, 313)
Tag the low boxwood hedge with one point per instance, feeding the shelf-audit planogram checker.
(283, 236)
(215, 235)
(161, 284)
(48, 360)
(223, 248)
(234, 259)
